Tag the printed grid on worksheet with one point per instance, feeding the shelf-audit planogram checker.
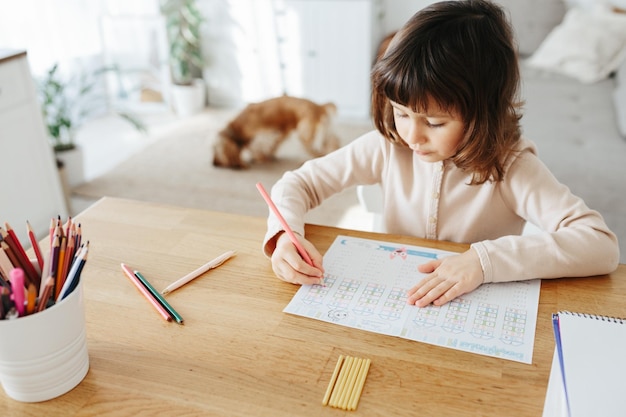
(365, 287)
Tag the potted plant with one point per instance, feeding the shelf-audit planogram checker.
(66, 104)
(183, 22)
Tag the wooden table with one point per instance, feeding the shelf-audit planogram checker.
(238, 354)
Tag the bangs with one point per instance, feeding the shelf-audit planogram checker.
(404, 86)
(429, 65)
(414, 86)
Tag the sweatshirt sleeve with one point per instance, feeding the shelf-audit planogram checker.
(300, 190)
(575, 240)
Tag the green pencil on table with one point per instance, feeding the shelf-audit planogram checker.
(157, 301)
(159, 298)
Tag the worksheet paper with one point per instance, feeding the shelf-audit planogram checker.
(365, 287)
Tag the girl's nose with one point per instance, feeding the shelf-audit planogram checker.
(416, 134)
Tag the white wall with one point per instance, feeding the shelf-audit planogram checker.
(532, 19)
(318, 49)
(243, 62)
(397, 12)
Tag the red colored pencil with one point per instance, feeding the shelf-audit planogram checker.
(69, 256)
(74, 246)
(36, 248)
(60, 278)
(68, 226)
(48, 287)
(24, 262)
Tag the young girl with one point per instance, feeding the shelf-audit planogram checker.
(452, 164)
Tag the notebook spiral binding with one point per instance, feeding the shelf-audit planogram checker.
(596, 317)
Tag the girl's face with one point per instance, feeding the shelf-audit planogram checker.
(433, 135)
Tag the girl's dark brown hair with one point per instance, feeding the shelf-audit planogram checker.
(462, 55)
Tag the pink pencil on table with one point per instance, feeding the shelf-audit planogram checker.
(144, 291)
(282, 220)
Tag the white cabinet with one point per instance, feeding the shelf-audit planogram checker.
(30, 187)
(326, 48)
(317, 49)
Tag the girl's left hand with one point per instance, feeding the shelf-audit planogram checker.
(447, 279)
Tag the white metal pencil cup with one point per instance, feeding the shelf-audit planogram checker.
(44, 355)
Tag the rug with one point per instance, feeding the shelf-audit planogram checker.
(176, 168)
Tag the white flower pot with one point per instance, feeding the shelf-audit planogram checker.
(73, 166)
(189, 100)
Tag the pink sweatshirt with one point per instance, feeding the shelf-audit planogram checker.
(434, 201)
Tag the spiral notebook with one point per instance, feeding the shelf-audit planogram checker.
(588, 367)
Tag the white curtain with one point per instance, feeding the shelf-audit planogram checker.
(241, 47)
(63, 31)
(83, 35)
(240, 43)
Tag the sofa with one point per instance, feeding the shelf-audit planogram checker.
(588, 45)
(574, 84)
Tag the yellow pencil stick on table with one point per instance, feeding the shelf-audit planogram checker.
(346, 384)
(346, 397)
(341, 381)
(333, 380)
(359, 384)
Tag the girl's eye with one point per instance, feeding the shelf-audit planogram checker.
(434, 125)
(400, 115)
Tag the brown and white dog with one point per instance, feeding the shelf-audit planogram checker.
(258, 130)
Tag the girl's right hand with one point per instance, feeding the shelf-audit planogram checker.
(289, 266)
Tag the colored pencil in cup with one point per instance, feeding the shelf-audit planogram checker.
(30, 274)
(79, 236)
(68, 259)
(35, 245)
(5, 263)
(60, 276)
(73, 276)
(17, 286)
(31, 298)
(54, 262)
(10, 254)
(53, 224)
(48, 287)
